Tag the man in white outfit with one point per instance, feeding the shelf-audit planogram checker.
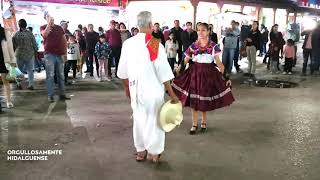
(146, 74)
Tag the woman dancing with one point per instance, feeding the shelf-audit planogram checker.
(202, 87)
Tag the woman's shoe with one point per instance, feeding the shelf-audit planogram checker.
(193, 130)
(9, 105)
(203, 127)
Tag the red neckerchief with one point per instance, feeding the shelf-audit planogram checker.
(152, 46)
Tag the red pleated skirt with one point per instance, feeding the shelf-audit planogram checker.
(202, 87)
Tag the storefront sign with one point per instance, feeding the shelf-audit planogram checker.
(113, 3)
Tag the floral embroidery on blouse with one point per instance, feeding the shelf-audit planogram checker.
(195, 49)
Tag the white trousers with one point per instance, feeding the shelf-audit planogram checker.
(147, 134)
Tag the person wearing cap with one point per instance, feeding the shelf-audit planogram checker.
(55, 53)
(64, 25)
(113, 38)
(146, 73)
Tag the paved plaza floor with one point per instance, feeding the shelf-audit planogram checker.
(267, 134)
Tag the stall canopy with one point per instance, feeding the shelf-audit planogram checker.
(83, 3)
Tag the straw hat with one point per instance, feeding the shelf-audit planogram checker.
(170, 116)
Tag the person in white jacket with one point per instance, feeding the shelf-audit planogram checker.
(172, 47)
(6, 56)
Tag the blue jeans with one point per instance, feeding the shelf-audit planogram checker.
(227, 59)
(27, 65)
(54, 65)
(263, 49)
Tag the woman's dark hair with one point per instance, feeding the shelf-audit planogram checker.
(80, 26)
(123, 25)
(290, 42)
(174, 37)
(22, 24)
(100, 28)
(205, 25)
(276, 25)
(257, 22)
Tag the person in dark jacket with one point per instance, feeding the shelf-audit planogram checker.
(237, 53)
(188, 36)
(253, 43)
(213, 36)
(277, 42)
(177, 31)
(157, 33)
(264, 40)
(315, 41)
(91, 38)
(307, 49)
(244, 33)
(113, 37)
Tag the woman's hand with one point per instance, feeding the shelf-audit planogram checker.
(229, 83)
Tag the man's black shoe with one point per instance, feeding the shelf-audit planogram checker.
(64, 98)
(51, 99)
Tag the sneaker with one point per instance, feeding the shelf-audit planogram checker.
(284, 73)
(9, 105)
(290, 73)
(51, 99)
(31, 88)
(100, 80)
(64, 97)
(108, 79)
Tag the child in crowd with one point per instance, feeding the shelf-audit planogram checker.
(103, 52)
(172, 47)
(82, 44)
(289, 55)
(274, 58)
(72, 57)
